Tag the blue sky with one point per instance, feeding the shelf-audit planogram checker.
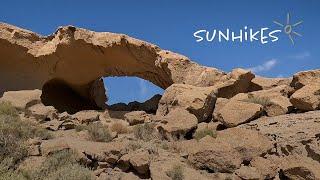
(170, 24)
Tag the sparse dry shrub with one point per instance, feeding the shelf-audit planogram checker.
(264, 101)
(99, 133)
(204, 132)
(119, 127)
(176, 172)
(14, 132)
(145, 132)
(61, 165)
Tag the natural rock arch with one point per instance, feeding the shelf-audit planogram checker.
(79, 57)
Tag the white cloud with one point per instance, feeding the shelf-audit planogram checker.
(300, 56)
(265, 66)
(143, 88)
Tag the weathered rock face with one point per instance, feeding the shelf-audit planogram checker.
(238, 112)
(307, 98)
(197, 100)
(22, 99)
(262, 83)
(303, 78)
(76, 58)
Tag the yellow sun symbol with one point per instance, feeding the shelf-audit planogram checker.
(288, 28)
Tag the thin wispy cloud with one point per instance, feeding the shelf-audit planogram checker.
(143, 88)
(266, 66)
(300, 56)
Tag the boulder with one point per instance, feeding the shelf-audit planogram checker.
(238, 112)
(177, 123)
(136, 117)
(140, 162)
(247, 172)
(22, 99)
(307, 98)
(237, 81)
(42, 112)
(88, 151)
(262, 83)
(197, 100)
(268, 169)
(303, 78)
(160, 169)
(86, 116)
(275, 101)
(227, 151)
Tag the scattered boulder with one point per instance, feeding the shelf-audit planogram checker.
(42, 112)
(227, 151)
(136, 117)
(303, 78)
(140, 162)
(238, 81)
(261, 83)
(238, 112)
(247, 172)
(197, 100)
(22, 99)
(86, 116)
(307, 98)
(178, 123)
(275, 101)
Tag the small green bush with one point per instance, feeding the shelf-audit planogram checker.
(176, 173)
(264, 101)
(203, 133)
(144, 132)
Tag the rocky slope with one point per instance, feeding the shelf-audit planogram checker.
(207, 125)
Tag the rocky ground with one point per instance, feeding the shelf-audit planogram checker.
(244, 128)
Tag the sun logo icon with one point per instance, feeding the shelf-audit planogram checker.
(288, 28)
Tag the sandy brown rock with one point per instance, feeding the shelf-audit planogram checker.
(86, 116)
(303, 78)
(238, 112)
(262, 83)
(137, 117)
(292, 133)
(307, 98)
(275, 101)
(197, 100)
(22, 99)
(74, 58)
(227, 151)
(237, 81)
(42, 112)
(249, 173)
(104, 152)
(177, 123)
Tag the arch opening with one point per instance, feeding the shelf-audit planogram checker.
(132, 94)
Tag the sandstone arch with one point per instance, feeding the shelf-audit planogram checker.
(78, 57)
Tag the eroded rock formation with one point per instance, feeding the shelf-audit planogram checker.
(72, 59)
